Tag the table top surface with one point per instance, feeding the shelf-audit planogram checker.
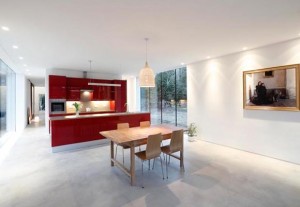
(138, 133)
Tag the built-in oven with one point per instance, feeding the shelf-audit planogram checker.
(57, 106)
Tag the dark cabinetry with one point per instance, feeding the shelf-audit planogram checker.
(57, 87)
(62, 87)
(120, 95)
(74, 85)
(102, 92)
(76, 130)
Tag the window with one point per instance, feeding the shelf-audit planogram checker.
(7, 100)
(167, 102)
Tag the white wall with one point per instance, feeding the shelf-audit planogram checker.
(132, 103)
(215, 103)
(21, 105)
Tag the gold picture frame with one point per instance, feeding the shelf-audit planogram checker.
(275, 88)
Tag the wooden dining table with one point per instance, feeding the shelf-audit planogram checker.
(133, 137)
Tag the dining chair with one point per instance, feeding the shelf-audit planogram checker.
(121, 126)
(153, 150)
(145, 124)
(176, 145)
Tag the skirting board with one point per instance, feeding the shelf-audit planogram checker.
(75, 146)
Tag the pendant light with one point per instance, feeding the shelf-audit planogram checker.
(146, 77)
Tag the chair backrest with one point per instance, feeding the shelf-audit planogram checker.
(153, 146)
(145, 124)
(176, 143)
(122, 126)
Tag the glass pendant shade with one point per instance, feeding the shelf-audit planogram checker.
(146, 77)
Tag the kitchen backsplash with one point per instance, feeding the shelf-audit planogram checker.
(90, 106)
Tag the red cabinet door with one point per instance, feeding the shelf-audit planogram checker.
(102, 93)
(73, 94)
(78, 82)
(120, 95)
(57, 87)
(74, 86)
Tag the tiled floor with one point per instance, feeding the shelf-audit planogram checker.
(33, 176)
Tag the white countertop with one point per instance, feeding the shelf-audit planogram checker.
(84, 116)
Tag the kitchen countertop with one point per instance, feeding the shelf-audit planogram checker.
(94, 115)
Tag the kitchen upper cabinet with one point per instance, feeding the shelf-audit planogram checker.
(61, 87)
(120, 95)
(57, 87)
(102, 93)
(74, 85)
(73, 94)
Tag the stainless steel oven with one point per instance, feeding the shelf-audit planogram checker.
(57, 106)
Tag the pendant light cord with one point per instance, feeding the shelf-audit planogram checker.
(90, 65)
(90, 69)
(146, 39)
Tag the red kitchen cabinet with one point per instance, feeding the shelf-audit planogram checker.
(74, 85)
(57, 87)
(61, 87)
(74, 130)
(73, 94)
(102, 93)
(120, 95)
(78, 82)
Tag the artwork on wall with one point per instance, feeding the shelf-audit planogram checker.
(274, 88)
(41, 102)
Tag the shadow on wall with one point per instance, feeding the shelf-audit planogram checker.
(286, 116)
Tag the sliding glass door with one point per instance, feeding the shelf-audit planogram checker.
(167, 102)
(7, 100)
(3, 94)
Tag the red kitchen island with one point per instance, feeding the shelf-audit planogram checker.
(72, 132)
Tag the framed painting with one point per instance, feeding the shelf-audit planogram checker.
(274, 88)
(41, 102)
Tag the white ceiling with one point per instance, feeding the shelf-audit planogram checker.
(66, 34)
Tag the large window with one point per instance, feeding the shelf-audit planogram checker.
(167, 102)
(7, 100)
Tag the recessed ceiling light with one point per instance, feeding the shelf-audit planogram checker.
(21, 58)
(182, 64)
(27, 70)
(245, 48)
(207, 57)
(25, 65)
(15, 47)
(5, 28)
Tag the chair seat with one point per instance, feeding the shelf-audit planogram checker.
(166, 149)
(126, 146)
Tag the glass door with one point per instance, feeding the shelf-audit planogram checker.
(7, 100)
